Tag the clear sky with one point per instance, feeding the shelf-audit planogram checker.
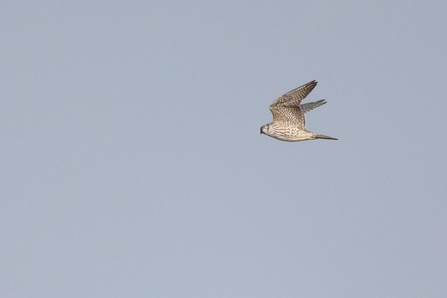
(132, 165)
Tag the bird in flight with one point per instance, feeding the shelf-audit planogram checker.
(288, 116)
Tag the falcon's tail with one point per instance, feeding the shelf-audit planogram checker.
(318, 136)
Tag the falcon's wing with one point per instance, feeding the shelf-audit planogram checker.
(293, 98)
(282, 114)
(312, 105)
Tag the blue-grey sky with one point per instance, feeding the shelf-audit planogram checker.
(132, 165)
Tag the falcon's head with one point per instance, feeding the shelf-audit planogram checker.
(265, 129)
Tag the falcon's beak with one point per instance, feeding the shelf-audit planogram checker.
(260, 131)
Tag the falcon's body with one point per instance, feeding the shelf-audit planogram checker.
(288, 116)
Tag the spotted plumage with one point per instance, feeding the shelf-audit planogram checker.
(288, 116)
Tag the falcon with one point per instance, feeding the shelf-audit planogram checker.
(288, 116)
